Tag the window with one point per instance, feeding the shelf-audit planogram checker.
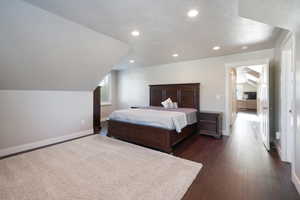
(106, 90)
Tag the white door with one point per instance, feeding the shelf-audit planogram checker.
(290, 104)
(232, 96)
(287, 108)
(264, 106)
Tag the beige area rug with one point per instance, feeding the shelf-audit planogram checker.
(95, 168)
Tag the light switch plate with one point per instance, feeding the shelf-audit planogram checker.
(277, 135)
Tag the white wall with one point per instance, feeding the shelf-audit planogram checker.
(33, 116)
(210, 73)
(41, 51)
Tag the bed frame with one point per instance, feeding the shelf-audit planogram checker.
(186, 95)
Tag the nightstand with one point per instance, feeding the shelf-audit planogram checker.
(210, 123)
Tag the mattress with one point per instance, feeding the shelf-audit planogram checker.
(171, 119)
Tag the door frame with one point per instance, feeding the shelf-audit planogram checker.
(287, 140)
(228, 66)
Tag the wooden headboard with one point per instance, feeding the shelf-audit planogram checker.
(186, 95)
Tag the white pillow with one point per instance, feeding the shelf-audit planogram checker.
(167, 103)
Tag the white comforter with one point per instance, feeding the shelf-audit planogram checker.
(164, 119)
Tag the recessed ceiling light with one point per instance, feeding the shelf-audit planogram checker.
(216, 48)
(244, 47)
(131, 61)
(175, 55)
(135, 33)
(192, 13)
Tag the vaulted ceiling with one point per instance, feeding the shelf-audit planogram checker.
(165, 28)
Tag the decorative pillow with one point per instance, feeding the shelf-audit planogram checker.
(167, 103)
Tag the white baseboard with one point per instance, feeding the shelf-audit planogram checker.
(296, 181)
(29, 146)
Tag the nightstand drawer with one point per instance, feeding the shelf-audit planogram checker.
(211, 126)
(208, 116)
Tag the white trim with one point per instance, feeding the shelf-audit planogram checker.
(228, 66)
(296, 181)
(29, 146)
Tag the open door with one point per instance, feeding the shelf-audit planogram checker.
(232, 96)
(288, 103)
(290, 129)
(264, 106)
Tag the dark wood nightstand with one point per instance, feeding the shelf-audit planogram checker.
(210, 123)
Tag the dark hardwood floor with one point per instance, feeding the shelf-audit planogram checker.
(236, 167)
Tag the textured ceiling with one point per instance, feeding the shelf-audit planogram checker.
(42, 51)
(165, 28)
(283, 13)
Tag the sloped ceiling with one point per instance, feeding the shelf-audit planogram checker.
(42, 51)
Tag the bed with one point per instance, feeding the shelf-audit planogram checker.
(133, 126)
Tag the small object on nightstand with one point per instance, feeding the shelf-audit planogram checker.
(210, 123)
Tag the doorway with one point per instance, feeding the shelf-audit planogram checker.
(247, 94)
(244, 87)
